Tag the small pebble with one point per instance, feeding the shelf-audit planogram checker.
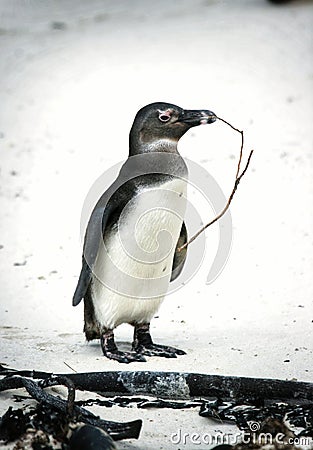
(20, 263)
(58, 25)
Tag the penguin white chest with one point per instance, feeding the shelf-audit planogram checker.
(134, 267)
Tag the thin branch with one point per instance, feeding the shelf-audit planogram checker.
(237, 181)
(69, 367)
(242, 142)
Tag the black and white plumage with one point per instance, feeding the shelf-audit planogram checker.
(130, 249)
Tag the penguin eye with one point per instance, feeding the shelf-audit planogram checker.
(164, 117)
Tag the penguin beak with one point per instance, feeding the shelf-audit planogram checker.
(196, 117)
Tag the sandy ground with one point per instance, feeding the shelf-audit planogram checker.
(72, 76)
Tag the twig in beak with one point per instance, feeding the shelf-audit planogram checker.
(237, 181)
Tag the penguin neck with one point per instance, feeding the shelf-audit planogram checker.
(160, 145)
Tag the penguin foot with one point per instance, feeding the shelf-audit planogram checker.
(125, 357)
(163, 351)
(144, 345)
(110, 350)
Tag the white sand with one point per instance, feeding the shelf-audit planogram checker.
(68, 98)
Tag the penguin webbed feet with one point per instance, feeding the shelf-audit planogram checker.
(164, 351)
(111, 351)
(144, 345)
(125, 357)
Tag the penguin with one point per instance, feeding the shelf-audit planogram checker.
(131, 246)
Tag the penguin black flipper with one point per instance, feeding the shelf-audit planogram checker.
(95, 229)
(179, 257)
(113, 199)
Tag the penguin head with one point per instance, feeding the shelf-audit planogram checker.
(165, 123)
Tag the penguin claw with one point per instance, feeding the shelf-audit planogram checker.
(125, 357)
(177, 351)
(159, 350)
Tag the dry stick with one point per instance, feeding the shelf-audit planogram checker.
(242, 142)
(70, 367)
(237, 181)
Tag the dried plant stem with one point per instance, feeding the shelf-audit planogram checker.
(237, 181)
